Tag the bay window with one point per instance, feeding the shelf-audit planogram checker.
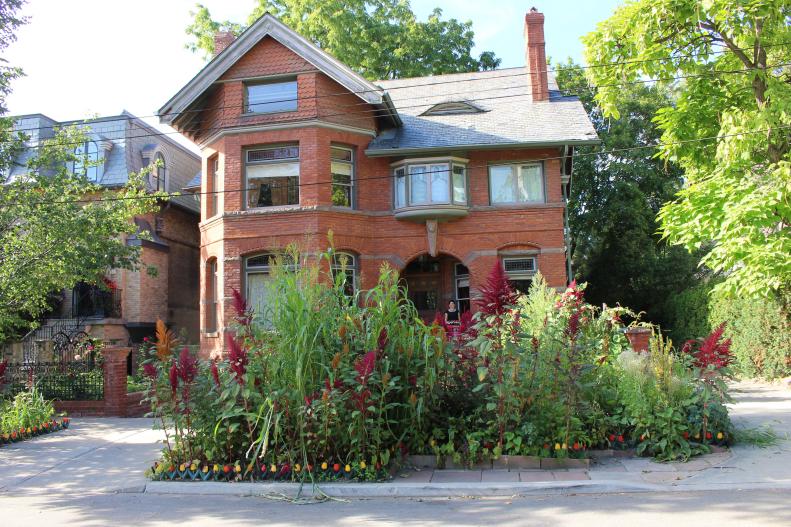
(272, 176)
(430, 183)
(342, 169)
(516, 183)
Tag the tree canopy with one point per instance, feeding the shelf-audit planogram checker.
(381, 39)
(58, 229)
(730, 59)
(615, 199)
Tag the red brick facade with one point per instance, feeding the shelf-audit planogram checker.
(327, 114)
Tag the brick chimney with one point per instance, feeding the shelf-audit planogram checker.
(536, 56)
(222, 39)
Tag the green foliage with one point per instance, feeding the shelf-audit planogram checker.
(688, 313)
(760, 333)
(381, 39)
(58, 229)
(615, 199)
(734, 55)
(26, 409)
(331, 379)
(337, 380)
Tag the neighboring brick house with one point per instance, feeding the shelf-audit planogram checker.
(128, 311)
(438, 176)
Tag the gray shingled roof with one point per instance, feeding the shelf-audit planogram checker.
(509, 116)
(194, 182)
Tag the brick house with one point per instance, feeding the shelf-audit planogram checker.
(438, 176)
(135, 300)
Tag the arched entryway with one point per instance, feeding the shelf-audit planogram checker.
(432, 282)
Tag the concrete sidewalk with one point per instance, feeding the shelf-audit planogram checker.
(97, 456)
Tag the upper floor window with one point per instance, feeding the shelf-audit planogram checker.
(159, 174)
(214, 185)
(211, 296)
(516, 183)
(271, 97)
(443, 183)
(272, 176)
(87, 161)
(342, 168)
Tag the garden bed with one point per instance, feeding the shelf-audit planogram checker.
(46, 427)
(348, 389)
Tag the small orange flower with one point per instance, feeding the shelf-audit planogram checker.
(335, 361)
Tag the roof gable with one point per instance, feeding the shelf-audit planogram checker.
(270, 26)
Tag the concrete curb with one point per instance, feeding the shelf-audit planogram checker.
(397, 490)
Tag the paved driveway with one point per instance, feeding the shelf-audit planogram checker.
(94, 455)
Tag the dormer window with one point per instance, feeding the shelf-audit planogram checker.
(453, 108)
(86, 162)
(271, 97)
(159, 174)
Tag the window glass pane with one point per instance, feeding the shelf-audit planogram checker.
(502, 184)
(257, 295)
(531, 184)
(400, 190)
(341, 154)
(341, 190)
(459, 184)
(341, 168)
(440, 189)
(272, 97)
(272, 185)
(418, 185)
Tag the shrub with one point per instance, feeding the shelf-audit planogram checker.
(760, 333)
(25, 410)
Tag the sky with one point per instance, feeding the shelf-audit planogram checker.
(86, 58)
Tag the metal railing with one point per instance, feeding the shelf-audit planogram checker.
(78, 380)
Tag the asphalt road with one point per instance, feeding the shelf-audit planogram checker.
(698, 509)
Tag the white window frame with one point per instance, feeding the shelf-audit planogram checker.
(520, 275)
(291, 160)
(516, 169)
(260, 269)
(159, 173)
(403, 172)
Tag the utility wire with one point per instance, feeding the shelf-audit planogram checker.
(390, 176)
(456, 81)
(380, 112)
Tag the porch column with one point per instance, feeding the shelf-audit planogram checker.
(115, 381)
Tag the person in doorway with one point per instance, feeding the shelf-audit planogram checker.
(452, 314)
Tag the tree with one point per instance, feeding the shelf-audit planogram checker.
(614, 201)
(58, 229)
(381, 39)
(733, 57)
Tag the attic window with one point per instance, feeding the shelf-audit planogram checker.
(452, 108)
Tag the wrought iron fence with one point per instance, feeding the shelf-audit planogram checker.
(77, 380)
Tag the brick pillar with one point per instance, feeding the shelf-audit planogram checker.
(639, 338)
(115, 381)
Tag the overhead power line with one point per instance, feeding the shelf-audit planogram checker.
(390, 176)
(381, 112)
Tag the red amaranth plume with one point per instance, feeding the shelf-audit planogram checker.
(496, 294)
(573, 325)
(365, 366)
(215, 373)
(237, 359)
(243, 314)
(174, 378)
(188, 366)
(710, 351)
(149, 370)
